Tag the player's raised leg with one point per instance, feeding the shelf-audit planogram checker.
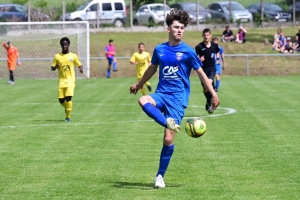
(115, 64)
(149, 106)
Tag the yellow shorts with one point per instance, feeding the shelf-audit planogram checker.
(65, 92)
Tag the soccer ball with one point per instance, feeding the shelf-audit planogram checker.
(195, 127)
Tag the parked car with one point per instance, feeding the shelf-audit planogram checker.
(191, 8)
(19, 13)
(151, 14)
(220, 11)
(272, 11)
(110, 12)
(297, 8)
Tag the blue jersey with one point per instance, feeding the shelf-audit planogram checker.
(175, 64)
(221, 50)
(221, 53)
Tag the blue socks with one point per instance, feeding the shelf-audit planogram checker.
(114, 66)
(155, 114)
(165, 157)
(108, 73)
(217, 84)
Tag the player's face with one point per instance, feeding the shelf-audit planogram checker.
(206, 36)
(64, 45)
(176, 30)
(141, 48)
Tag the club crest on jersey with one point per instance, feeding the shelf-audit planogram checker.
(179, 56)
(70, 59)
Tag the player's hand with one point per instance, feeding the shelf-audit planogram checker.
(80, 69)
(223, 67)
(202, 58)
(215, 102)
(134, 88)
(19, 63)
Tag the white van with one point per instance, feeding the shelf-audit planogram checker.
(110, 12)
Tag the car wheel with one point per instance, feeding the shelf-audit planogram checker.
(77, 19)
(135, 22)
(118, 23)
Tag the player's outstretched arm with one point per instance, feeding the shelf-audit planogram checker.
(203, 78)
(223, 61)
(150, 71)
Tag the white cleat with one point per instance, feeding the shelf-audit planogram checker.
(159, 182)
(171, 124)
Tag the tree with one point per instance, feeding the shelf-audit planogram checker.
(138, 3)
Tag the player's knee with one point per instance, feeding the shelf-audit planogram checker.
(168, 140)
(61, 100)
(68, 98)
(143, 100)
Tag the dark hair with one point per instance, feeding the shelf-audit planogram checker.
(110, 41)
(65, 39)
(177, 15)
(227, 26)
(141, 43)
(206, 30)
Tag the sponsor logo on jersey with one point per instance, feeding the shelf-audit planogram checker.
(170, 72)
(179, 56)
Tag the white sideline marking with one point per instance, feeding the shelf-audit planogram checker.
(229, 111)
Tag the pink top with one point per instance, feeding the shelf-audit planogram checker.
(109, 49)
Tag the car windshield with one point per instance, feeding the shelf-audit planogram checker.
(21, 8)
(234, 6)
(273, 7)
(192, 7)
(158, 8)
(83, 6)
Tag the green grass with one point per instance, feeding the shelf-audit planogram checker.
(110, 150)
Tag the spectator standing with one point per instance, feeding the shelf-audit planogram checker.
(13, 59)
(110, 53)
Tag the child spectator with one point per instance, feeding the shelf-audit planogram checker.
(288, 47)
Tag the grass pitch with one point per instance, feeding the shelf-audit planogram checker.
(110, 150)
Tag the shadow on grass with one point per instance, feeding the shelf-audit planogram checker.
(139, 186)
(259, 38)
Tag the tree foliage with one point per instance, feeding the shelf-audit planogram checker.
(138, 3)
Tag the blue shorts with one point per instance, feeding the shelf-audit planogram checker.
(218, 69)
(110, 60)
(170, 106)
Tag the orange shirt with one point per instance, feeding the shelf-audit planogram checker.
(12, 55)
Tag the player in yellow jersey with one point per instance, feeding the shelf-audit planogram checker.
(65, 63)
(142, 61)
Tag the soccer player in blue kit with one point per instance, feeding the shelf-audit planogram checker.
(167, 105)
